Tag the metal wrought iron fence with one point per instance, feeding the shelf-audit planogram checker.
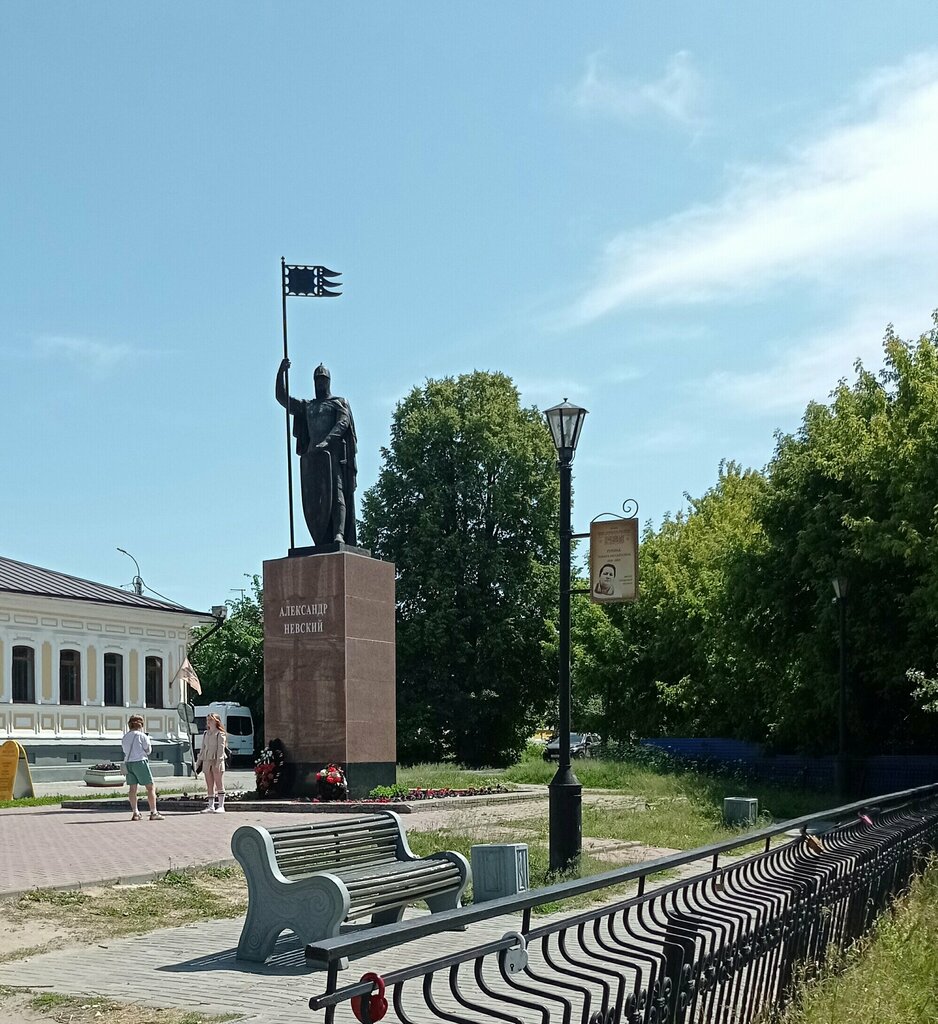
(724, 945)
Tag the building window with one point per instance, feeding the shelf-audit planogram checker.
(154, 686)
(24, 675)
(114, 680)
(69, 677)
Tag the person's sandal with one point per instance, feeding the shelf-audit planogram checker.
(156, 816)
(135, 816)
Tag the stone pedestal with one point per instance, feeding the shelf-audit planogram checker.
(329, 667)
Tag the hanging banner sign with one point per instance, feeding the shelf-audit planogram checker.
(614, 561)
(15, 779)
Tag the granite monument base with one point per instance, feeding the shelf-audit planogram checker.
(329, 667)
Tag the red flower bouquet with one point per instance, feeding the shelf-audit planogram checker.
(331, 783)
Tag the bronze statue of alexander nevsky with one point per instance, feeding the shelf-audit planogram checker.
(328, 447)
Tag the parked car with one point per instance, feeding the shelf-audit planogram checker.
(581, 745)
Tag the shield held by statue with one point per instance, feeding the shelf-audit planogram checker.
(317, 496)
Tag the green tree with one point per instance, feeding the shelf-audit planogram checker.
(466, 506)
(736, 632)
(853, 494)
(678, 660)
(230, 663)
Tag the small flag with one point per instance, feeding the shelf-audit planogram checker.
(316, 281)
(187, 675)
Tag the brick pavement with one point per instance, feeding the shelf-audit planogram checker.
(47, 847)
(235, 778)
(192, 967)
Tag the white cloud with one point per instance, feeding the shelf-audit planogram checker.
(97, 356)
(810, 369)
(677, 95)
(858, 195)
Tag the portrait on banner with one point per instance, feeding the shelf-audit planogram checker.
(614, 561)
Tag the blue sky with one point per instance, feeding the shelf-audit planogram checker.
(690, 218)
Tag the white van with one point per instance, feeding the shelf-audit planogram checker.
(239, 725)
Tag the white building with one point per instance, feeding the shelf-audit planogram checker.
(77, 659)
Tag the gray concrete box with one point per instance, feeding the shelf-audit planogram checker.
(499, 869)
(740, 810)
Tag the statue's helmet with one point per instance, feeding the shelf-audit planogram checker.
(321, 371)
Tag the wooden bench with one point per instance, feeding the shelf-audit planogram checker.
(314, 878)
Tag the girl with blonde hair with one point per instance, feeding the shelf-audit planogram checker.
(212, 759)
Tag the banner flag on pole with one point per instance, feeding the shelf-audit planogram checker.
(315, 281)
(187, 674)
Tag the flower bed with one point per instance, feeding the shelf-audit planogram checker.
(380, 795)
(107, 773)
(399, 794)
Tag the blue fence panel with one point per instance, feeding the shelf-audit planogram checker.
(880, 774)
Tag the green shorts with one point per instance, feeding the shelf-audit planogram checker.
(138, 773)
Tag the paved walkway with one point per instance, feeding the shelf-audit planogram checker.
(235, 779)
(47, 847)
(193, 967)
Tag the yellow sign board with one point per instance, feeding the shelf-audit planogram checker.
(16, 781)
(614, 561)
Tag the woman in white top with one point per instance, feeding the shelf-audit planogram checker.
(137, 746)
(212, 759)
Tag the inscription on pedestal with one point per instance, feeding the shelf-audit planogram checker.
(303, 618)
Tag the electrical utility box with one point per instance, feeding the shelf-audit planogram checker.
(499, 869)
(740, 810)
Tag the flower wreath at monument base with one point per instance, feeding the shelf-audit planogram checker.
(268, 769)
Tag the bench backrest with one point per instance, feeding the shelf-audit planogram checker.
(332, 845)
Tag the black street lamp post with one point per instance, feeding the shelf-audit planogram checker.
(843, 762)
(565, 422)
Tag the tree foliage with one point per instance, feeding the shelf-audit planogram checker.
(736, 632)
(677, 650)
(230, 662)
(466, 506)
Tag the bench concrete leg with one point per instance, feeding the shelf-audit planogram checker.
(446, 901)
(258, 936)
(391, 916)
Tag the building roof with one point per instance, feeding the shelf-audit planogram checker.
(22, 578)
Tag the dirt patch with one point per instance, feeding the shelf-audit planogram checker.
(47, 919)
(24, 1007)
(623, 851)
(619, 803)
(26, 934)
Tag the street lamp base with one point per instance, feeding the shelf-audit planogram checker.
(566, 820)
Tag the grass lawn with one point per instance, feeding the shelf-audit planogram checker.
(889, 978)
(47, 801)
(678, 810)
(92, 1009)
(96, 913)
(681, 810)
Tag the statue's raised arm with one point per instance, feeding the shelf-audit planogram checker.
(280, 387)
